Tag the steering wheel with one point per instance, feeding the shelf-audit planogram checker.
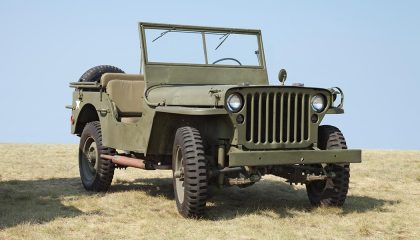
(227, 59)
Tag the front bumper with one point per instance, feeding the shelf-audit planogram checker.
(282, 157)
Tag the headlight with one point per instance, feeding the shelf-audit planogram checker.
(234, 102)
(318, 103)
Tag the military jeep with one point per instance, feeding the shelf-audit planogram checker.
(203, 108)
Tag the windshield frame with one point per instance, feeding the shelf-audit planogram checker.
(203, 30)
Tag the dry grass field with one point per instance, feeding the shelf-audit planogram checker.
(41, 197)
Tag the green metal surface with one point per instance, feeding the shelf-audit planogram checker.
(188, 95)
(156, 74)
(284, 157)
(335, 110)
(275, 116)
(192, 111)
(170, 73)
(115, 134)
(178, 95)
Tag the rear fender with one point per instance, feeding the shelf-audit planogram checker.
(87, 114)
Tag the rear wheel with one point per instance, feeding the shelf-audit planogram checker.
(94, 74)
(189, 172)
(332, 191)
(96, 173)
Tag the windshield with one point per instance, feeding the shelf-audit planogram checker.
(178, 46)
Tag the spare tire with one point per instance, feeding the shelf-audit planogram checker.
(94, 74)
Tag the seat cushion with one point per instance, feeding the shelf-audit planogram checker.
(107, 77)
(127, 96)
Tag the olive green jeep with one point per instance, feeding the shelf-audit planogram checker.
(203, 107)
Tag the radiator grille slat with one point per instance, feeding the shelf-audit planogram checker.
(277, 117)
(295, 120)
(267, 117)
(259, 118)
(281, 118)
(275, 133)
(289, 114)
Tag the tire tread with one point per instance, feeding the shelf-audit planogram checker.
(105, 171)
(330, 137)
(195, 165)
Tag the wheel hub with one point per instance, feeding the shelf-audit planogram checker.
(179, 175)
(91, 153)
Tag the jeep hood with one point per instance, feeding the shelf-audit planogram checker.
(201, 96)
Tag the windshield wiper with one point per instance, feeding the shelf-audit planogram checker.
(224, 39)
(162, 34)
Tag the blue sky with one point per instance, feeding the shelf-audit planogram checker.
(371, 49)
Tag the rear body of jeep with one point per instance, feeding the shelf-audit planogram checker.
(276, 130)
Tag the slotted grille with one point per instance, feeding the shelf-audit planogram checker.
(277, 117)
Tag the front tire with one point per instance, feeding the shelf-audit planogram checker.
(332, 191)
(96, 173)
(189, 172)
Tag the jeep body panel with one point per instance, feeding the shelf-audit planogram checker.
(191, 111)
(156, 74)
(197, 96)
(179, 94)
(116, 134)
(161, 73)
(278, 117)
(138, 136)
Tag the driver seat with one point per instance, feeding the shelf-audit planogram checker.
(126, 93)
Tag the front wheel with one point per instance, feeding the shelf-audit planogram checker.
(332, 191)
(189, 172)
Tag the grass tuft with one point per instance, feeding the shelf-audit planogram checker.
(365, 231)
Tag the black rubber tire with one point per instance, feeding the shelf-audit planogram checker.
(95, 176)
(189, 146)
(330, 192)
(94, 74)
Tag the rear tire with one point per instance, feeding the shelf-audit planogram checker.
(189, 172)
(96, 173)
(333, 191)
(94, 74)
